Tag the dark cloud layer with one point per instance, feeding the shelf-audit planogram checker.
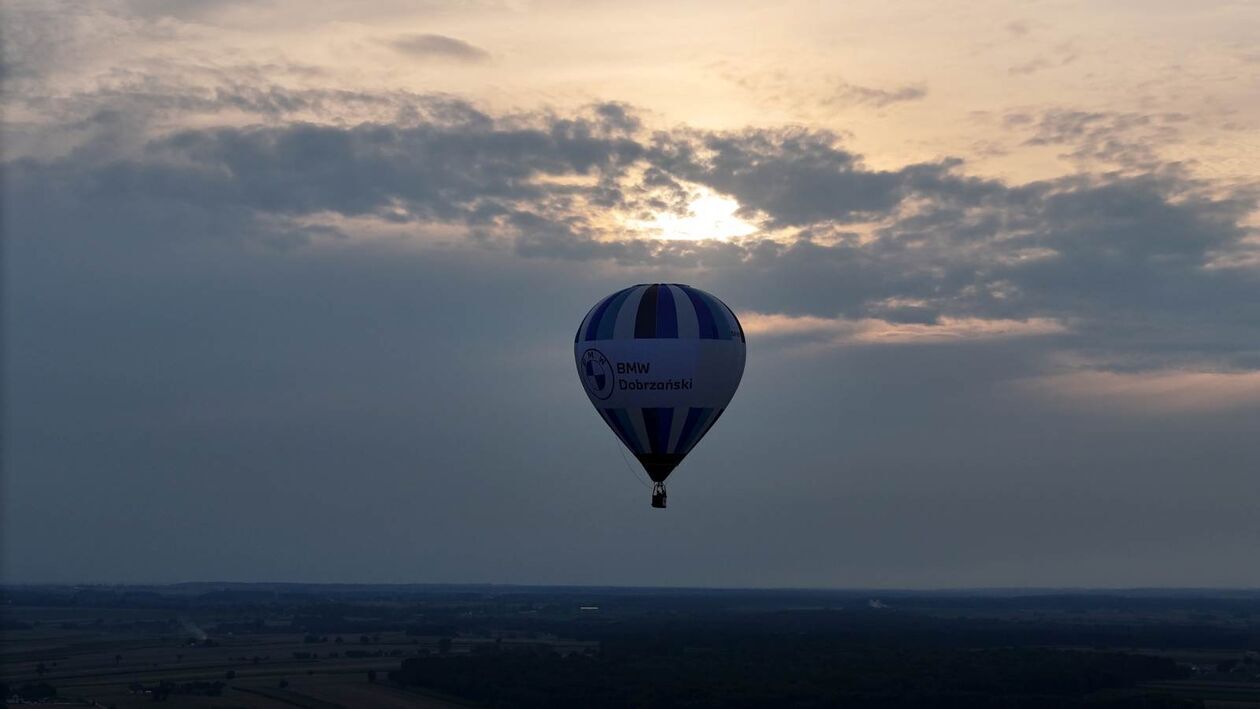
(1096, 250)
(308, 351)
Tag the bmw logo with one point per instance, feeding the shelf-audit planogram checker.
(597, 374)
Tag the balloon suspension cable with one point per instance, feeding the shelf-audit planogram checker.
(624, 459)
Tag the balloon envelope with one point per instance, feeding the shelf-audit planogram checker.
(660, 362)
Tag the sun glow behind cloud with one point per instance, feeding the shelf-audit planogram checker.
(709, 215)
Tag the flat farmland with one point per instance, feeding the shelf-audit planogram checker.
(325, 646)
(122, 657)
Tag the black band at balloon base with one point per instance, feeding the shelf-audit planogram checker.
(659, 465)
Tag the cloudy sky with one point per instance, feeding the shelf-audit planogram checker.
(290, 289)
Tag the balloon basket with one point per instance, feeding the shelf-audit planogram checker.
(658, 495)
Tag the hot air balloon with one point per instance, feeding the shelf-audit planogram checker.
(660, 362)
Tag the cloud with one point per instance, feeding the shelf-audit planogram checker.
(954, 330)
(1060, 55)
(854, 95)
(806, 93)
(1157, 392)
(1031, 66)
(1128, 139)
(439, 46)
(874, 331)
(779, 325)
(794, 176)
(453, 164)
(1017, 28)
(42, 39)
(925, 246)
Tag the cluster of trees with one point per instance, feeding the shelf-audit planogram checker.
(776, 676)
(1248, 665)
(29, 692)
(804, 659)
(163, 690)
(348, 653)
(241, 627)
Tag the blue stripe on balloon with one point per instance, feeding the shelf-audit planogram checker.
(625, 430)
(656, 315)
(615, 424)
(727, 317)
(608, 320)
(591, 318)
(657, 420)
(593, 323)
(645, 319)
(710, 424)
(612, 423)
(718, 308)
(666, 315)
(738, 325)
(704, 316)
(686, 438)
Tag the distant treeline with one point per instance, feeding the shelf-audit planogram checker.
(771, 672)
(826, 658)
(1228, 603)
(924, 619)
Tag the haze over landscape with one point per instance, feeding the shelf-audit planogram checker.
(290, 290)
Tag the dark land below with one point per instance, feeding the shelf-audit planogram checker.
(325, 646)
